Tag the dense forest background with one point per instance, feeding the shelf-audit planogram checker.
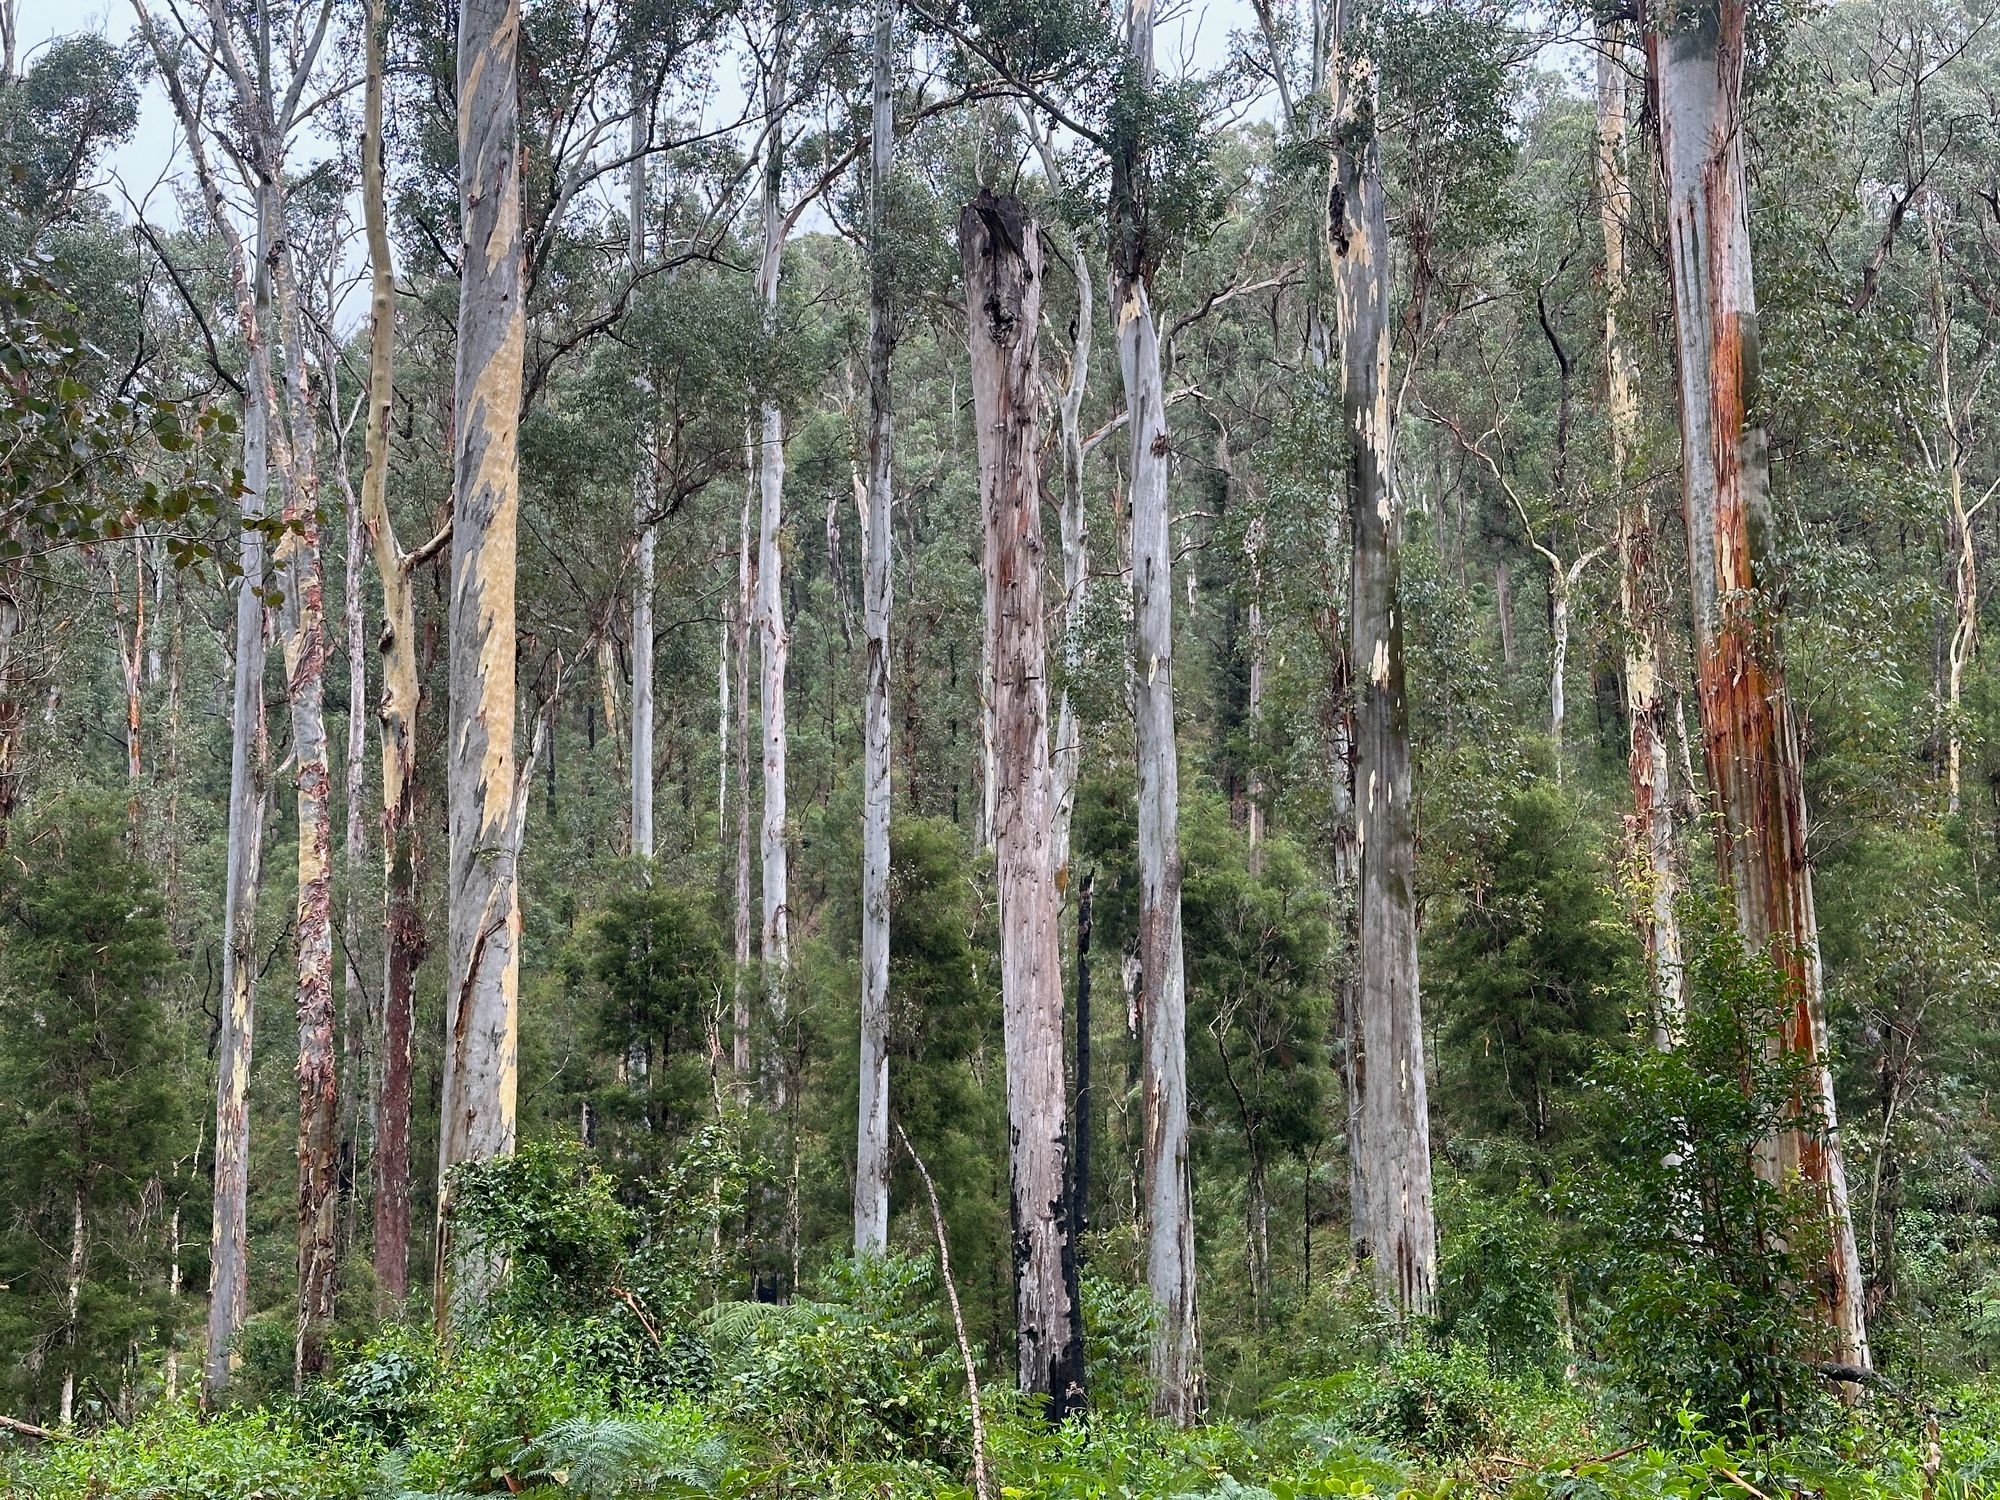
(796, 770)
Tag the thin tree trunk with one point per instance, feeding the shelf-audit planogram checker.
(739, 626)
(1001, 250)
(1253, 546)
(1079, 1188)
(1651, 827)
(1961, 559)
(355, 1030)
(1067, 759)
(871, 1161)
(1393, 1226)
(131, 661)
(404, 940)
(643, 582)
(1752, 739)
(985, 814)
(304, 613)
(73, 1307)
(228, 1294)
(13, 700)
(482, 1043)
(1168, 1191)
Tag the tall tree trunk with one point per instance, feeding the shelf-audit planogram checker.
(1393, 1225)
(1751, 737)
(648, 537)
(228, 1269)
(482, 1042)
(355, 1029)
(774, 640)
(739, 627)
(404, 942)
(304, 587)
(1169, 1192)
(1002, 254)
(1651, 825)
(262, 442)
(871, 1157)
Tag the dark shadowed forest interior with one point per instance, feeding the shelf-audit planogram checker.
(999, 749)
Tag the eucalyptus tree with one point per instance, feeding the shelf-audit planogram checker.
(1001, 247)
(398, 707)
(1640, 605)
(871, 1157)
(1751, 735)
(1393, 1223)
(284, 435)
(1169, 1192)
(482, 977)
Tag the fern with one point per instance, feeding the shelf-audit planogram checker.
(735, 1329)
(610, 1458)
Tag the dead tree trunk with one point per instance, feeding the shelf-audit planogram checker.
(1750, 735)
(1388, 1107)
(482, 1043)
(1001, 250)
(871, 1159)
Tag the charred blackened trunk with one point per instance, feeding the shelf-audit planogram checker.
(1002, 253)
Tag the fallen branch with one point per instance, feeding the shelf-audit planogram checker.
(26, 1429)
(957, 1321)
(1739, 1480)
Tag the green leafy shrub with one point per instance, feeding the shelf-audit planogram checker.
(870, 1373)
(1701, 1270)
(173, 1452)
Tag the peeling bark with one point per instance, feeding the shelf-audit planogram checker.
(1394, 1230)
(1001, 250)
(404, 941)
(482, 1042)
(304, 624)
(1650, 827)
(1750, 736)
(1175, 1363)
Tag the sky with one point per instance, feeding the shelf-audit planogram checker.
(1192, 37)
